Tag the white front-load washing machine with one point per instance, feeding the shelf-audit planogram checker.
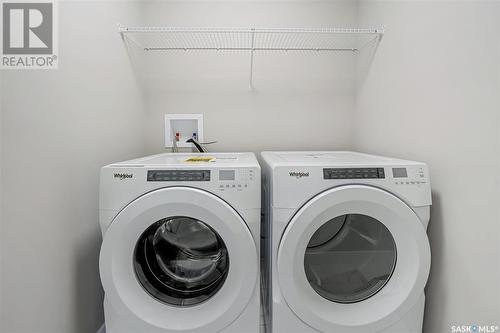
(347, 242)
(180, 246)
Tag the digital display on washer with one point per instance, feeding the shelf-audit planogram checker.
(353, 173)
(178, 175)
(399, 173)
(227, 175)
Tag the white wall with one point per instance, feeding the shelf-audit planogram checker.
(59, 127)
(1, 184)
(307, 101)
(432, 94)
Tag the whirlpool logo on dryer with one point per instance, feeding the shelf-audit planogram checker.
(299, 174)
(123, 176)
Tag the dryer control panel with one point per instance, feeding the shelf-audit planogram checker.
(409, 175)
(353, 173)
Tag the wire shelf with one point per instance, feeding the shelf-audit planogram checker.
(150, 39)
(250, 39)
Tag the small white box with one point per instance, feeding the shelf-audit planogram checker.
(187, 125)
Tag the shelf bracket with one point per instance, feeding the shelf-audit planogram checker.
(252, 51)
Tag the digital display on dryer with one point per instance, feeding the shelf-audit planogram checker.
(399, 172)
(178, 175)
(353, 173)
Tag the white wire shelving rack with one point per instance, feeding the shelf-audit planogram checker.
(252, 40)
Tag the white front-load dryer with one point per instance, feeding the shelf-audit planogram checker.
(347, 242)
(180, 243)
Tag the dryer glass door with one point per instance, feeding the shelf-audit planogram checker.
(181, 261)
(350, 258)
(336, 261)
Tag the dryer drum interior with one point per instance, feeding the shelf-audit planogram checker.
(350, 258)
(181, 261)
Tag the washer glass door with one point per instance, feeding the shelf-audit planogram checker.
(350, 258)
(181, 261)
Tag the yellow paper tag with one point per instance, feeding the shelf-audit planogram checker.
(199, 159)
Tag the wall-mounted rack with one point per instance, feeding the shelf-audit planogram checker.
(151, 39)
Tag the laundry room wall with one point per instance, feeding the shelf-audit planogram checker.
(432, 94)
(300, 101)
(1, 186)
(59, 127)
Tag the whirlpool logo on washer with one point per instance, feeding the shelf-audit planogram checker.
(123, 176)
(299, 174)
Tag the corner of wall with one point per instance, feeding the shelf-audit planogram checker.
(1, 198)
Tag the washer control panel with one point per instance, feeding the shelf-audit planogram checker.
(178, 175)
(234, 179)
